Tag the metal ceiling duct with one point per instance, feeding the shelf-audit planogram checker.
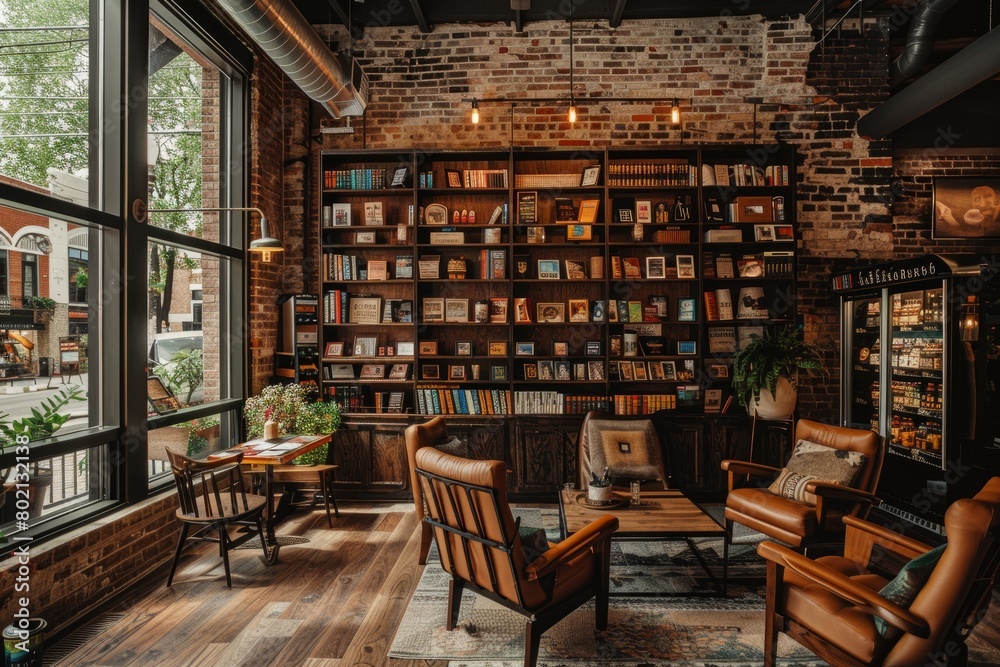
(281, 31)
(919, 40)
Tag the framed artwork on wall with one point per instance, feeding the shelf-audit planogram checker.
(966, 207)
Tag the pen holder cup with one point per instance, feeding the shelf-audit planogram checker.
(598, 494)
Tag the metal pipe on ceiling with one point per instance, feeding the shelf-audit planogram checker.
(280, 30)
(919, 40)
(973, 64)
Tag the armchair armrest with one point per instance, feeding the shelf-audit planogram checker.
(840, 493)
(735, 468)
(576, 544)
(861, 536)
(840, 585)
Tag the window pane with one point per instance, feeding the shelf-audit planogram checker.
(59, 484)
(190, 362)
(185, 135)
(44, 88)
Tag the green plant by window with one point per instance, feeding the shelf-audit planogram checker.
(42, 304)
(290, 406)
(183, 373)
(42, 423)
(766, 358)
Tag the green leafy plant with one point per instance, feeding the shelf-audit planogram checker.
(290, 406)
(42, 423)
(41, 304)
(196, 442)
(766, 358)
(183, 373)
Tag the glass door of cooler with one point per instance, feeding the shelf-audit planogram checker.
(916, 374)
(862, 321)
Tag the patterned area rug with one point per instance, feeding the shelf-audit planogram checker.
(685, 630)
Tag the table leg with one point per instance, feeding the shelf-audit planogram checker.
(271, 549)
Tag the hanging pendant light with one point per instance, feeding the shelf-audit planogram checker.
(572, 112)
(675, 113)
(475, 112)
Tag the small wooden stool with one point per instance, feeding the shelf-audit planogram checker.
(308, 474)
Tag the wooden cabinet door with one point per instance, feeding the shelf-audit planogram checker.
(389, 470)
(350, 452)
(683, 445)
(545, 453)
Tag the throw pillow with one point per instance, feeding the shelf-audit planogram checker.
(629, 448)
(911, 578)
(533, 542)
(812, 461)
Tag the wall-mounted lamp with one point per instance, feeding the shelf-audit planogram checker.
(475, 112)
(969, 324)
(265, 246)
(675, 113)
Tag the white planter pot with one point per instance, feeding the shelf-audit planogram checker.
(777, 407)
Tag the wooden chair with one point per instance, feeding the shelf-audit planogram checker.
(212, 500)
(645, 458)
(829, 605)
(477, 537)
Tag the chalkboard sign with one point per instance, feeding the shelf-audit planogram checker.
(69, 354)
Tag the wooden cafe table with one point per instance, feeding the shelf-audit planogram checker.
(271, 453)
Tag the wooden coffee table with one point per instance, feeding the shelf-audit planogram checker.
(661, 515)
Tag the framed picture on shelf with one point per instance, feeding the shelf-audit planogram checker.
(372, 372)
(365, 310)
(364, 238)
(643, 211)
(597, 311)
(718, 371)
(454, 178)
(334, 349)
(579, 310)
(436, 214)
(498, 372)
(551, 312)
(536, 235)
(595, 370)
(433, 309)
(685, 267)
(497, 348)
(763, 233)
(399, 177)
(524, 349)
(546, 371)
(498, 310)
(456, 372)
(593, 348)
(456, 310)
(563, 371)
(639, 370)
(687, 347)
(530, 372)
(378, 269)
(625, 371)
(548, 269)
(588, 211)
(580, 370)
(463, 348)
(560, 348)
(430, 372)
(374, 215)
(404, 348)
(965, 207)
(590, 176)
(687, 309)
(625, 215)
(365, 346)
(341, 215)
(575, 270)
(527, 208)
(430, 267)
(428, 348)
(399, 372)
(669, 369)
(656, 268)
(656, 371)
(565, 210)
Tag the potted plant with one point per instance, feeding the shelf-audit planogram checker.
(42, 305)
(289, 406)
(765, 372)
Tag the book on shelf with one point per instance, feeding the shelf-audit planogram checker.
(721, 174)
(498, 264)
(778, 264)
(746, 333)
(404, 266)
(631, 267)
(498, 310)
(711, 306)
(708, 264)
(485, 178)
(673, 234)
(378, 269)
(575, 270)
(724, 235)
(713, 400)
(364, 309)
(722, 340)
(643, 404)
(724, 266)
(616, 267)
(724, 303)
(750, 266)
(522, 310)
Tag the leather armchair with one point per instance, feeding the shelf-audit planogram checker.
(829, 604)
(477, 537)
(643, 434)
(430, 433)
(795, 523)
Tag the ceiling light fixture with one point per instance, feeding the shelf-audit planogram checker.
(572, 103)
(264, 246)
(675, 113)
(475, 112)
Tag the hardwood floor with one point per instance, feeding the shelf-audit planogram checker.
(332, 602)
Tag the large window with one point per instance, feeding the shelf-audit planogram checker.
(81, 336)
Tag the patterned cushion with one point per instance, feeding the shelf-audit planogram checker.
(811, 461)
(533, 542)
(911, 578)
(629, 448)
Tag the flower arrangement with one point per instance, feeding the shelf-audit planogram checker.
(290, 408)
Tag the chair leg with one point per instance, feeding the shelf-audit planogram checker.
(726, 541)
(454, 601)
(770, 612)
(601, 601)
(329, 491)
(426, 535)
(532, 637)
(177, 553)
(224, 547)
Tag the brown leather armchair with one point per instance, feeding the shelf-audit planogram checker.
(478, 540)
(430, 433)
(829, 604)
(796, 523)
(646, 453)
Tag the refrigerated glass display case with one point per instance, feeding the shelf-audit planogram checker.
(909, 372)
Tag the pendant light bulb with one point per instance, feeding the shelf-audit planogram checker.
(572, 112)
(475, 112)
(675, 113)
